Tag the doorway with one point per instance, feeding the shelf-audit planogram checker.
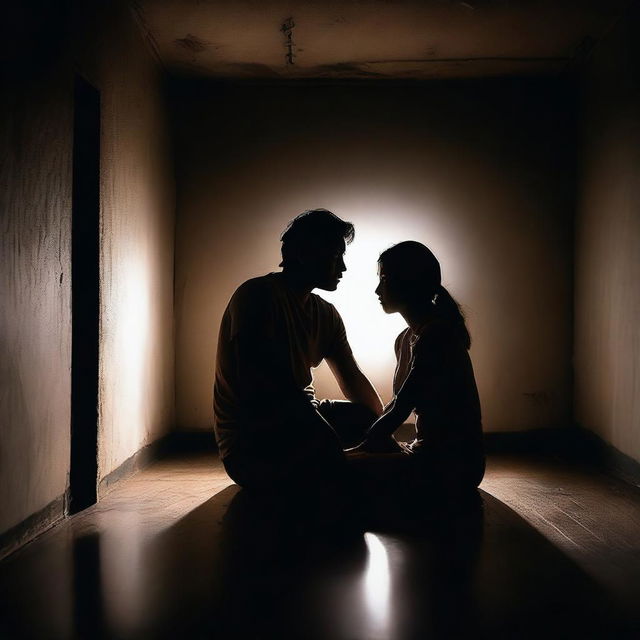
(85, 296)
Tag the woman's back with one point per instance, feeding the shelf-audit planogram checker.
(442, 389)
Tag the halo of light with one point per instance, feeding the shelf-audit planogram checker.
(372, 332)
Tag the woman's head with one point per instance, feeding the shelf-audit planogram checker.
(409, 276)
(410, 284)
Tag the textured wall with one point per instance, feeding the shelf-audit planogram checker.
(136, 351)
(482, 172)
(607, 300)
(35, 316)
(137, 191)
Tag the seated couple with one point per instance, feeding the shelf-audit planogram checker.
(272, 432)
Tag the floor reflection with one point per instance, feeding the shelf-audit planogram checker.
(235, 567)
(88, 606)
(376, 586)
(253, 571)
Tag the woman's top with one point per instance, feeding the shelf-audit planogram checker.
(434, 376)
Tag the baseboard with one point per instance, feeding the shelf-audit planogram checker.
(33, 526)
(172, 443)
(571, 444)
(139, 460)
(608, 458)
(191, 442)
(553, 441)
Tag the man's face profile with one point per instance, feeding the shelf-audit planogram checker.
(324, 264)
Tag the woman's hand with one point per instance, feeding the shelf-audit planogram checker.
(384, 444)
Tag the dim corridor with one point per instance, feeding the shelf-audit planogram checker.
(177, 551)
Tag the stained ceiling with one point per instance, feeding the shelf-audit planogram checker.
(373, 38)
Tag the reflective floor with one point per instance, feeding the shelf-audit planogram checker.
(178, 552)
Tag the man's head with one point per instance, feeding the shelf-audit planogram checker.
(313, 245)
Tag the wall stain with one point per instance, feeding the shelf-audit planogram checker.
(287, 28)
(191, 43)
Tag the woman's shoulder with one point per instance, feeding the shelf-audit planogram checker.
(402, 338)
(441, 333)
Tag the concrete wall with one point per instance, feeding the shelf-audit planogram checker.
(137, 239)
(46, 46)
(35, 320)
(481, 171)
(607, 273)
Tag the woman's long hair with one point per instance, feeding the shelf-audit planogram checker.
(416, 274)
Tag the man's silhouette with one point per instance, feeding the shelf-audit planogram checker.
(272, 432)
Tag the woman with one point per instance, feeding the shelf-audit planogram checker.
(433, 378)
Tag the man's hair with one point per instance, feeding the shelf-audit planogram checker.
(312, 228)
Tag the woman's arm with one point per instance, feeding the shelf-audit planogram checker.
(379, 437)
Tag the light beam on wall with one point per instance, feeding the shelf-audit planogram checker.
(133, 311)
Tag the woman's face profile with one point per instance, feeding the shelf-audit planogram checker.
(386, 291)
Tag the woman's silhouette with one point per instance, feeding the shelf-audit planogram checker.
(433, 378)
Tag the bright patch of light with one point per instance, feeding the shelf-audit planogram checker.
(377, 584)
(370, 330)
(133, 325)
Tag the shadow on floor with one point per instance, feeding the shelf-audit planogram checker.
(234, 568)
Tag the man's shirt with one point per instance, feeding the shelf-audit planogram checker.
(269, 340)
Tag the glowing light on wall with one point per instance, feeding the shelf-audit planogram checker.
(366, 322)
(134, 320)
(370, 330)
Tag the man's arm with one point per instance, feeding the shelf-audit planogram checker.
(353, 383)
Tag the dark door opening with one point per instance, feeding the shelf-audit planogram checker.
(85, 296)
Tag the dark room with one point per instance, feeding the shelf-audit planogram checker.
(320, 319)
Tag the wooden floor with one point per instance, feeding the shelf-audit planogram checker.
(178, 552)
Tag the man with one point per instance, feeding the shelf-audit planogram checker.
(271, 430)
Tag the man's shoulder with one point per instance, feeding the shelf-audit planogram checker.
(252, 296)
(325, 304)
(259, 285)
(327, 309)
